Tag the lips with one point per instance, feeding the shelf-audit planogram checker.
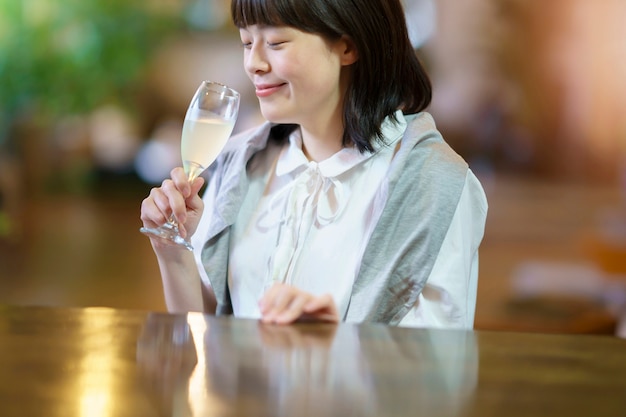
(266, 90)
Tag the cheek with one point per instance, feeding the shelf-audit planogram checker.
(316, 73)
(293, 67)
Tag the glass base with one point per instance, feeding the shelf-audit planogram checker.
(168, 231)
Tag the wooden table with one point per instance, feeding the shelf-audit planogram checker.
(104, 362)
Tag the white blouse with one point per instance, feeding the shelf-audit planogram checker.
(313, 221)
(310, 227)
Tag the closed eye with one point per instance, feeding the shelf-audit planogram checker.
(275, 44)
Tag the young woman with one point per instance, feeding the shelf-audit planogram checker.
(347, 205)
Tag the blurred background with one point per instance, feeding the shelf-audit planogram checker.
(530, 93)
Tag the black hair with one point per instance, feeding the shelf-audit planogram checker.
(387, 75)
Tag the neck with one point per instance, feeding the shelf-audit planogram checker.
(321, 143)
(322, 136)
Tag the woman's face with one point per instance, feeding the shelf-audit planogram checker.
(297, 75)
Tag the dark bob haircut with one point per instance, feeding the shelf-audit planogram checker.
(387, 75)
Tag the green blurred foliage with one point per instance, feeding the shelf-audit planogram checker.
(69, 56)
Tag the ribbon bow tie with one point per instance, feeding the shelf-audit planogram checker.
(311, 198)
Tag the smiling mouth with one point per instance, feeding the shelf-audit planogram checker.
(267, 90)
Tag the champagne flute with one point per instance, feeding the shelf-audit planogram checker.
(208, 124)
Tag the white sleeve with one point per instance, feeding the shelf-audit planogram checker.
(448, 300)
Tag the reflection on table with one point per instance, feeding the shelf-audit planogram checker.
(332, 370)
(105, 362)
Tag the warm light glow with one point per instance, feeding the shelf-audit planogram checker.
(592, 60)
(96, 378)
(201, 402)
(95, 403)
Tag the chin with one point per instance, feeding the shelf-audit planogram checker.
(276, 117)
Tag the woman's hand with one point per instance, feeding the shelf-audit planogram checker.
(176, 196)
(283, 304)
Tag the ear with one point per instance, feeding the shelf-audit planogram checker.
(348, 50)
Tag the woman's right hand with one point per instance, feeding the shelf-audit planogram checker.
(176, 196)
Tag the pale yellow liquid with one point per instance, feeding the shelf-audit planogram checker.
(202, 141)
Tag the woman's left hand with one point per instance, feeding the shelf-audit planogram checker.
(284, 304)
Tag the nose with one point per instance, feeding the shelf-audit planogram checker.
(255, 60)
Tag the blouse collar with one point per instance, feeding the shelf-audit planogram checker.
(292, 159)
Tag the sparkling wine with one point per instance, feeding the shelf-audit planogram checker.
(208, 123)
(202, 140)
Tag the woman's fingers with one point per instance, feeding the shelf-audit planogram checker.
(194, 201)
(322, 308)
(284, 304)
(181, 181)
(175, 197)
(176, 200)
(196, 185)
(293, 310)
(276, 300)
(155, 209)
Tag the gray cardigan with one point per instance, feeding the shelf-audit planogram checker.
(422, 189)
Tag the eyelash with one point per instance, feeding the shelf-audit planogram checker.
(248, 45)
